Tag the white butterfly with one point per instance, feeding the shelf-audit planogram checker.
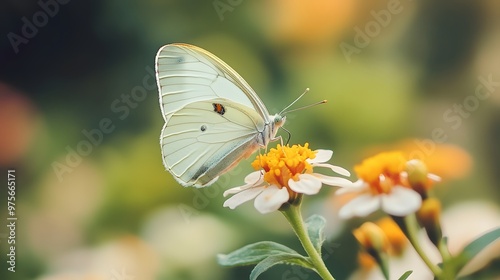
(213, 118)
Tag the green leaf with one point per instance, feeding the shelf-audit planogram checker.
(253, 253)
(284, 258)
(315, 226)
(406, 275)
(476, 246)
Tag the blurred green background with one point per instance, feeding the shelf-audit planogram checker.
(80, 122)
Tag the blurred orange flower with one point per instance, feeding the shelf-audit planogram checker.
(447, 160)
(311, 23)
(17, 123)
(397, 243)
(396, 237)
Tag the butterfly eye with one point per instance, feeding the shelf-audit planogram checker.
(203, 128)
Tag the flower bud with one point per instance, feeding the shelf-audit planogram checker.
(417, 176)
(374, 241)
(429, 217)
(371, 237)
(396, 238)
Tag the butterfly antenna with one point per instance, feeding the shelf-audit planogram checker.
(284, 111)
(304, 107)
(297, 99)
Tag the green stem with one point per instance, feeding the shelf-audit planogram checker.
(381, 259)
(294, 217)
(449, 268)
(412, 234)
(443, 250)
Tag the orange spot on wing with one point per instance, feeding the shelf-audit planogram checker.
(219, 108)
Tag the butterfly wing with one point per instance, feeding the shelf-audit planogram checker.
(213, 117)
(187, 74)
(199, 142)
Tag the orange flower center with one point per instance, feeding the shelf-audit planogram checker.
(382, 171)
(284, 163)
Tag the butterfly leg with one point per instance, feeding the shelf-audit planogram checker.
(289, 136)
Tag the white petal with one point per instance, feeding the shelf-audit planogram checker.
(307, 184)
(243, 197)
(254, 179)
(321, 156)
(333, 181)
(271, 199)
(434, 177)
(334, 168)
(401, 201)
(358, 186)
(236, 189)
(360, 206)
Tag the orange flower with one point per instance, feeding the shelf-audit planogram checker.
(447, 160)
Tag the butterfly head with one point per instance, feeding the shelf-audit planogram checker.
(278, 121)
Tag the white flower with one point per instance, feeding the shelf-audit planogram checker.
(400, 201)
(383, 184)
(283, 174)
